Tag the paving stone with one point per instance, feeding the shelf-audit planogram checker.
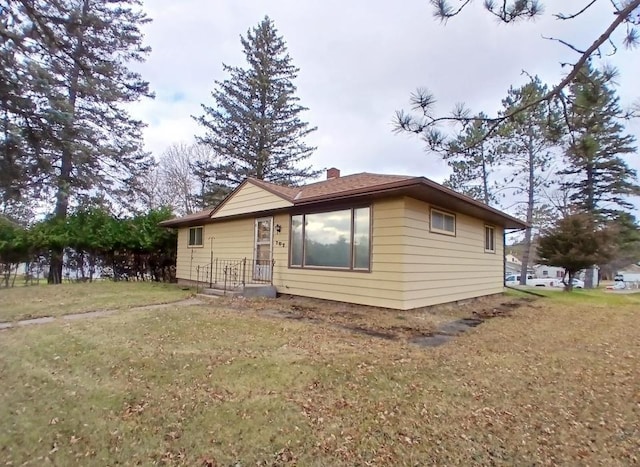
(432, 341)
(28, 322)
(186, 302)
(88, 314)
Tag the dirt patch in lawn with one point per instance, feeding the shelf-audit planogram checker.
(383, 323)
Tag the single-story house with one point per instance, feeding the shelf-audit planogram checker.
(399, 242)
(544, 271)
(512, 265)
(630, 273)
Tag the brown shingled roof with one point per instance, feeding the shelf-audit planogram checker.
(369, 185)
(332, 187)
(195, 216)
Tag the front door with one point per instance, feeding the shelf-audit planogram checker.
(262, 252)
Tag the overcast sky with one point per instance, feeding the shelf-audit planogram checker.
(359, 61)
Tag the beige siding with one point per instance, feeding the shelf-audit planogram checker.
(411, 266)
(249, 199)
(230, 240)
(441, 268)
(380, 287)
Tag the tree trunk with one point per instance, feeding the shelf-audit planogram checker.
(485, 176)
(66, 161)
(526, 253)
(568, 286)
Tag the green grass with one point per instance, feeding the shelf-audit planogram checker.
(554, 383)
(56, 300)
(595, 297)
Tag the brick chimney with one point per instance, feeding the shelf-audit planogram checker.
(333, 173)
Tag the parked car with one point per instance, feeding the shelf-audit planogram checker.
(577, 283)
(514, 279)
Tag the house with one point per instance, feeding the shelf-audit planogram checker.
(512, 265)
(630, 273)
(545, 271)
(393, 241)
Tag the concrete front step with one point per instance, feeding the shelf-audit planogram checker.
(251, 290)
(221, 292)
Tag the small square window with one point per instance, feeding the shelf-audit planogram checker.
(443, 222)
(195, 236)
(489, 239)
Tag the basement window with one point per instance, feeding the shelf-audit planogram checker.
(195, 236)
(442, 222)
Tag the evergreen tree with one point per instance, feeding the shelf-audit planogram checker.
(471, 156)
(527, 140)
(212, 191)
(600, 180)
(625, 233)
(254, 125)
(575, 243)
(74, 60)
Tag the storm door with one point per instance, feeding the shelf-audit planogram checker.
(263, 248)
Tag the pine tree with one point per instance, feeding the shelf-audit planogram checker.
(17, 119)
(527, 140)
(254, 125)
(471, 156)
(575, 243)
(74, 58)
(601, 180)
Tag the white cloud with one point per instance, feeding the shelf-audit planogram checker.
(359, 61)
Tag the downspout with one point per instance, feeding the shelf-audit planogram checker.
(504, 257)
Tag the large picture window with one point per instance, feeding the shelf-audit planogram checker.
(334, 239)
(195, 236)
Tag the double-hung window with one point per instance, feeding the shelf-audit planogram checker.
(489, 239)
(334, 239)
(195, 236)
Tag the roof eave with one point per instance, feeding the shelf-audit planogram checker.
(403, 186)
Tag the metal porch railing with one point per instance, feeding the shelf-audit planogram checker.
(233, 274)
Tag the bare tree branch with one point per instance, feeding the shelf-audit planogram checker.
(572, 47)
(575, 15)
(424, 100)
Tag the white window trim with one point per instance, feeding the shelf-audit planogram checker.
(255, 236)
(493, 233)
(195, 245)
(441, 231)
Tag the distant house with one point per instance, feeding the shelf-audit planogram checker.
(630, 273)
(399, 242)
(512, 265)
(544, 271)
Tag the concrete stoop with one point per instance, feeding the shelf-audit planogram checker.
(221, 292)
(252, 290)
(259, 290)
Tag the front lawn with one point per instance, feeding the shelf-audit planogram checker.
(55, 300)
(554, 383)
